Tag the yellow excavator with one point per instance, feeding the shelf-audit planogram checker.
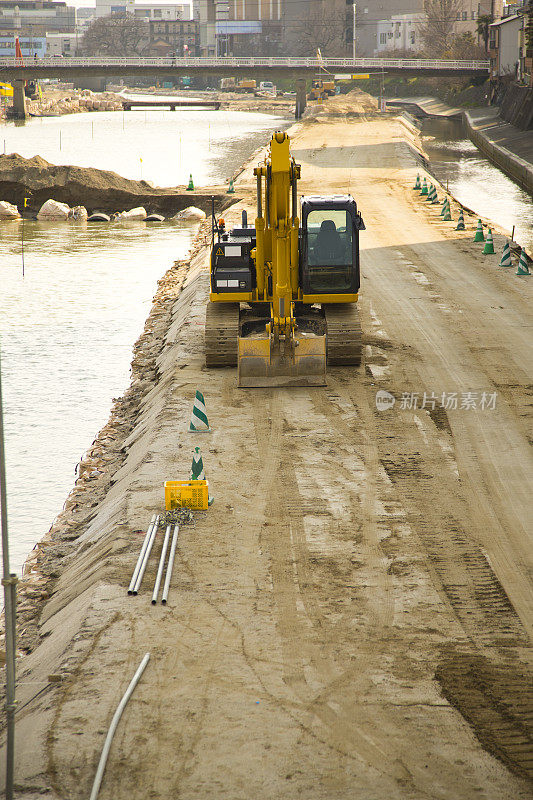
(284, 293)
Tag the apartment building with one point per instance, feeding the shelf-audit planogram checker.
(177, 37)
(401, 32)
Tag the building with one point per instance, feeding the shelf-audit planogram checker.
(401, 32)
(34, 18)
(505, 46)
(163, 12)
(204, 15)
(248, 28)
(275, 27)
(469, 11)
(30, 46)
(62, 44)
(179, 37)
(238, 27)
(104, 8)
(371, 14)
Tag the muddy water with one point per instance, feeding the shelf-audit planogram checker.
(474, 181)
(68, 327)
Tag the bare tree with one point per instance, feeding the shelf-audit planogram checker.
(465, 46)
(116, 35)
(437, 33)
(319, 30)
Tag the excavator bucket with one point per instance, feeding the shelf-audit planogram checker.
(264, 365)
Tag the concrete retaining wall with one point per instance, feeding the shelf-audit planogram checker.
(519, 170)
(517, 107)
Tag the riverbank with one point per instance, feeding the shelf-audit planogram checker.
(340, 600)
(506, 146)
(97, 190)
(237, 101)
(60, 102)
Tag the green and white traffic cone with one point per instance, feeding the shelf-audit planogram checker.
(478, 236)
(417, 182)
(190, 186)
(199, 422)
(447, 215)
(198, 472)
(488, 250)
(435, 196)
(506, 256)
(231, 188)
(444, 205)
(431, 189)
(424, 189)
(523, 266)
(460, 222)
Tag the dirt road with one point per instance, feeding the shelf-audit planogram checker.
(352, 618)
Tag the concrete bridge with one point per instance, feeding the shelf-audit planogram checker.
(17, 70)
(130, 103)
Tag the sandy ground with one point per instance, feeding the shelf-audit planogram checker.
(352, 617)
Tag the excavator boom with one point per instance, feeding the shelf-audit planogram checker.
(282, 356)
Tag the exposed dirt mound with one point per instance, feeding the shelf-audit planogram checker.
(95, 189)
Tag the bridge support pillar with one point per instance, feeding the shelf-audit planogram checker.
(300, 98)
(19, 100)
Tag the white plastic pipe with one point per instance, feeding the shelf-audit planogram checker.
(148, 550)
(141, 555)
(161, 565)
(112, 728)
(170, 564)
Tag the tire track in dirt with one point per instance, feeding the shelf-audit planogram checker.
(440, 364)
(415, 462)
(305, 632)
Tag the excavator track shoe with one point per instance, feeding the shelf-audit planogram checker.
(221, 334)
(344, 336)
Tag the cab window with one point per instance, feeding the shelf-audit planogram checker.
(329, 250)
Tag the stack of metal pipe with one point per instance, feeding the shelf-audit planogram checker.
(144, 555)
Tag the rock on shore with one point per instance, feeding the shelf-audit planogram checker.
(75, 102)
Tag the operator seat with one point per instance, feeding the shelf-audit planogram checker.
(329, 248)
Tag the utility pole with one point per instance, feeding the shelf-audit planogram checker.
(354, 26)
(9, 582)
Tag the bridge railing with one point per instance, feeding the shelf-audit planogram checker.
(237, 62)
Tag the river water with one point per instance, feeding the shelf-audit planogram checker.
(474, 181)
(68, 327)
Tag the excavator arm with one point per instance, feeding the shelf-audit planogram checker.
(282, 356)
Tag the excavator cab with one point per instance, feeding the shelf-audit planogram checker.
(329, 252)
(283, 294)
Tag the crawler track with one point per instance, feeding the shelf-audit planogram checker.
(221, 334)
(344, 338)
